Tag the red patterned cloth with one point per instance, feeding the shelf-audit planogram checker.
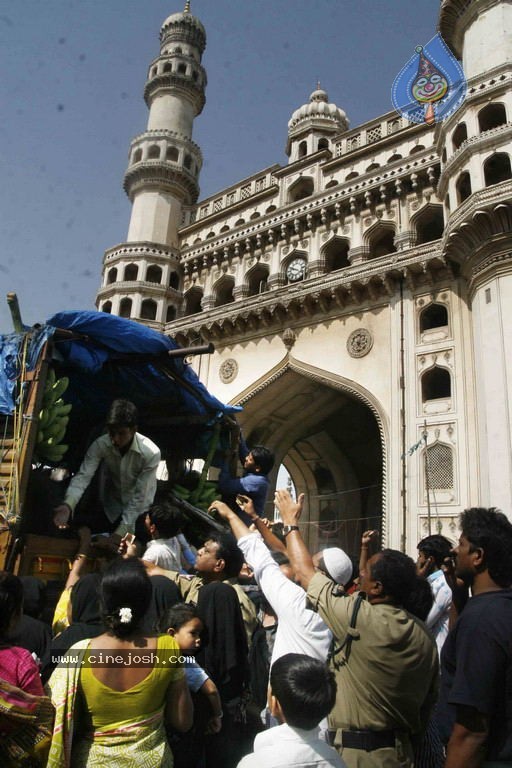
(18, 668)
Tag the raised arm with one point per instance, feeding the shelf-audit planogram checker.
(366, 538)
(296, 549)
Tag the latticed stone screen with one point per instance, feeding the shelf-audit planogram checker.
(440, 466)
(374, 134)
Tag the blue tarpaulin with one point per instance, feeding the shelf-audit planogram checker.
(115, 357)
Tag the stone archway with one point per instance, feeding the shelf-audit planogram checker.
(329, 435)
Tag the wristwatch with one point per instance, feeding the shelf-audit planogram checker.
(289, 528)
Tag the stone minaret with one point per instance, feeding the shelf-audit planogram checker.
(142, 277)
(475, 184)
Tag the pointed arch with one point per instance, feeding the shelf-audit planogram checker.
(223, 290)
(335, 254)
(256, 279)
(193, 299)
(380, 239)
(428, 223)
(303, 187)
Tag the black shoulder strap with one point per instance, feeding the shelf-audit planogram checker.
(351, 633)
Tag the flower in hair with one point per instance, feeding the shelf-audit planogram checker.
(125, 615)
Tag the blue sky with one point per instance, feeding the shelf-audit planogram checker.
(73, 73)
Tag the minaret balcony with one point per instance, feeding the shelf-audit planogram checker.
(129, 287)
(177, 83)
(162, 174)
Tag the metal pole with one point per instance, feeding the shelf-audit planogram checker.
(427, 480)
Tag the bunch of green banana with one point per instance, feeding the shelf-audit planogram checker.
(53, 419)
(207, 495)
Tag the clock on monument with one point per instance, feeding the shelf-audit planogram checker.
(296, 270)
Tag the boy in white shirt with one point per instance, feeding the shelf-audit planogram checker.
(302, 693)
(163, 523)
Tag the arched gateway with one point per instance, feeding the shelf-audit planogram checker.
(329, 435)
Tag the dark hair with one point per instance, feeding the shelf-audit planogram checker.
(177, 616)
(304, 687)
(263, 458)
(437, 547)
(491, 531)
(125, 595)
(167, 519)
(11, 600)
(229, 551)
(420, 600)
(122, 413)
(397, 574)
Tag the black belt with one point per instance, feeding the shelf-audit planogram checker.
(367, 740)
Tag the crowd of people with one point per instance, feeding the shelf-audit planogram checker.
(250, 650)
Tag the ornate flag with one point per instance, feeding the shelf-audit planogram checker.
(431, 86)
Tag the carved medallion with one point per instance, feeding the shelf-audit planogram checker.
(228, 370)
(359, 343)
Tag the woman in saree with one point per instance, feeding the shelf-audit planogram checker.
(26, 715)
(114, 693)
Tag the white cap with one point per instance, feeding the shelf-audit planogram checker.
(338, 564)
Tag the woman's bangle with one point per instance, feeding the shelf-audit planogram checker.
(81, 555)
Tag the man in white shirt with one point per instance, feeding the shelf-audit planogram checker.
(128, 484)
(299, 629)
(163, 523)
(432, 552)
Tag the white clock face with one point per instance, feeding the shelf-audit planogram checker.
(296, 270)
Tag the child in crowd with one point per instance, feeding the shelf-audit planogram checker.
(302, 693)
(183, 623)
(163, 524)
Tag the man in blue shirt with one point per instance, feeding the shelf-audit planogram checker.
(257, 463)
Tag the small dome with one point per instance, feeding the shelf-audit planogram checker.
(186, 21)
(319, 107)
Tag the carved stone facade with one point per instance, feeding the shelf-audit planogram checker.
(358, 297)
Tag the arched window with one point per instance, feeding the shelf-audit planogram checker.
(137, 155)
(429, 224)
(254, 215)
(131, 272)
(172, 154)
(302, 188)
(170, 315)
(257, 280)
(195, 75)
(168, 67)
(182, 69)
(148, 309)
(174, 280)
(463, 186)
(125, 308)
(154, 152)
(154, 274)
(417, 148)
(107, 307)
(331, 183)
(323, 144)
(303, 149)
(225, 228)
(381, 242)
(439, 466)
(394, 157)
(154, 71)
(187, 162)
(352, 175)
(497, 169)
(111, 276)
(436, 383)
(193, 301)
(224, 292)
(336, 254)
(460, 134)
(433, 316)
(372, 167)
(492, 116)
(270, 209)
(238, 222)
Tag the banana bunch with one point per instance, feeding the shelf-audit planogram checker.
(207, 496)
(53, 419)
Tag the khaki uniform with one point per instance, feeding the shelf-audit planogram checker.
(189, 587)
(388, 683)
